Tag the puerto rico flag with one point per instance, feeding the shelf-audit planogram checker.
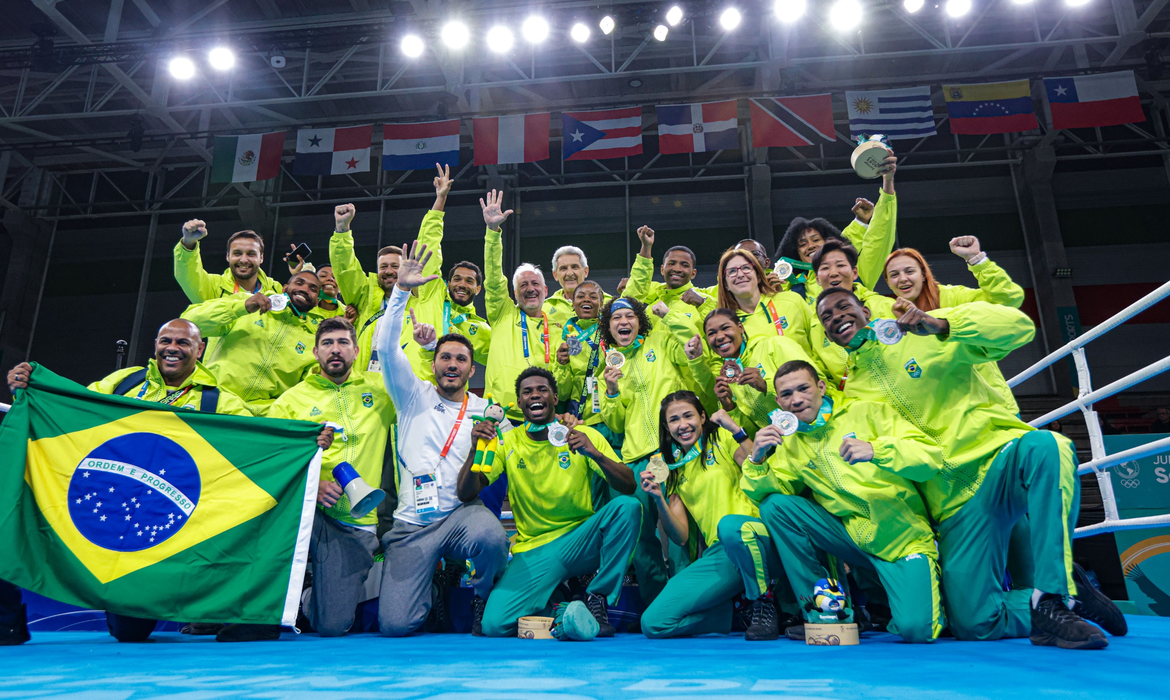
(515, 138)
(333, 151)
(695, 128)
(611, 133)
(792, 121)
(419, 146)
(1084, 101)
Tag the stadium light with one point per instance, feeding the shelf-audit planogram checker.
(1076, 3)
(412, 45)
(790, 10)
(580, 32)
(500, 39)
(534, 29)
(730, 18)
(181, 68)
(958, 8)
(455, 35)
(913, 6)
(845, 15)
(221, 58)
(607, 24)
(1021, 2)
(674, 15)
(660, 32)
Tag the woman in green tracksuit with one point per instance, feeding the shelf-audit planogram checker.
(576, 373)
(762, 308)
(704, 485)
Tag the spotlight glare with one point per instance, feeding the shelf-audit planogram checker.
(607, 24)
(181, 68)
(845, 15)
(1021, 2)
(534, 29)
(958, 8)
(730, 18)
(580, 32)
(221, 58)
(455, 35)
(412, 45)
(674, 15)
(913, 6)
(1076, 3)
(660, 32)
(500, 39)
(790, 10)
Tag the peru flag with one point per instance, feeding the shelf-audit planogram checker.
(517, 138)
(1085, 101)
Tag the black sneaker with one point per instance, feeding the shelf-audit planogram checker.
(1095, 606)
(11, 635)
(248, 633)
(1054, 625)
(795, 632)
(477, 606)
(202, 628)
(439, 619)
(597, 606)
(764, 626)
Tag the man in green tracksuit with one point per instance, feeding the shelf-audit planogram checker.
(995, 468)
(558, 533)
(342, 547)
(245, 256)
(262, 352)
(858, 460)
(679, 267)
(570, 268)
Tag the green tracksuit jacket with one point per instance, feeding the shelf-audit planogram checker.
(766, 353)
(643, 288)
(560, 309)
(200, 285)
(153, 389)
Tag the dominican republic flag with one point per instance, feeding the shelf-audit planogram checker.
(990, 108)
(611, 133)
(905, 113)
(695, 128)
(333, 151)
(1104, 99)
(247, 158)
(516, 138)
(792, 121)
(420, 146)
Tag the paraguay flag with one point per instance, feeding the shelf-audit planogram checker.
(333, 151)
(990, 108)
(514, 138)
(1105, 99)
(247, 158)
(610, 133)
(696, 128)
(419, 146)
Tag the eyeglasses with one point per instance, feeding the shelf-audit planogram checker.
(733, 272)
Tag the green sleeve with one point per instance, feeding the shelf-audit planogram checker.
(566, 379)
(196, 283)
(231, 405)
(762, 480)
(641, 281)
(901, 448)
(281, 409)
(431, 234)
(351, 279)
(613, 410)
(495, 284)
(877, 242)
(986, 332)
(997, 286)
(216, 317)
(601, 445)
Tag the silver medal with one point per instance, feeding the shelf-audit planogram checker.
(574, 344)
(558, 435)
(783, 269)
(278, 301)
(887, 331)
(787, 422)
(614, 358)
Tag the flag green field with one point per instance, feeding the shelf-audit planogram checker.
(157, 512)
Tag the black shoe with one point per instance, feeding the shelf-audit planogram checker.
(795, 632)
(764, 626)
(248, 633)
(439, 619)
(1054, 625)
(202, 628)
(597, 606)
(477, 606)
(1095, 606)
(11, 635)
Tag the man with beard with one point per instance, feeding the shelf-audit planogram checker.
(432, 522)
(262, 352)
(679, 267)
(522, 334)
(559, 534)
(245, 256)
(341, 547)
(994, 467)
(570, 268)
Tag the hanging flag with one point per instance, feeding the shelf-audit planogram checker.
(1104, 99)
(247, 158)
(515, 138)
(990, 108)
(333, 151)
(611, 133)
(419, 146)
(695, 128)
(144, 509)
(905, 113)
(792, 121)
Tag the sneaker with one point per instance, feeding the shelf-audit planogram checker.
(11, 635)
(202, 628)
(1054, 625)
(764, 627)
(597, 606)
(1095, 606)
(248, 633)
(795, 632)
(574, 621)
(477, 606)
(439, 619)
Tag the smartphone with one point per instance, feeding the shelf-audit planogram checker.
(302, 251)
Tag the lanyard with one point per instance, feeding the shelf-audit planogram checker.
(254, 291)
(448, 321)
(822, 416)
(167, 400)
(691, 455)
(455, 429)
(774, 317)
(543, 336)
(583, 335)
(594, 361)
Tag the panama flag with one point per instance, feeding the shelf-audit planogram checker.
(1105, 99)
(516, 138)
(333, 151)
(610, 133)
(247, 158)
(695, 128)
(792, 121)
(419, 146)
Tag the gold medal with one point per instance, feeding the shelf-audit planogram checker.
(615, 358)
(658, 468)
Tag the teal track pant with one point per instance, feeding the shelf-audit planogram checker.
(603, 543)
(1037, 475)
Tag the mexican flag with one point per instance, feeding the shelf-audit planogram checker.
(247, 158)
(152, 511)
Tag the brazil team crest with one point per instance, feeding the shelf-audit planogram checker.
(913, 369)
(563, 460)
(368, 400)
(300, 348)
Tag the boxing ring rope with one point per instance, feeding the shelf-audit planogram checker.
(1102, 462)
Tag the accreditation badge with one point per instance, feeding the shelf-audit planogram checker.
(869, 156)
(426, 494)
(786, 421)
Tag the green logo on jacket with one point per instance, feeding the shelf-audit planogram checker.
(260, 322)
(913, 369)
(650, 356)
(563, 460)
(784, 323)
(315, 412)
(368, 400)
(300, 348)
(472, 329)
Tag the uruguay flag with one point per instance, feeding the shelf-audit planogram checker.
(695, 128)
(1083, 101)
(333, 151)
(610, 133)
(420, 146)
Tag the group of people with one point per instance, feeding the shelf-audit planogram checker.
(784, 426)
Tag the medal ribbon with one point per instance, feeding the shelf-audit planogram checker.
(536, 427)
(859, 338)
(822, 416)
(692, 454)
(543, 336)
(455, 429)
(448, 321)
(254, 291)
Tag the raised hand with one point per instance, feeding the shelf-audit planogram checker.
(343, 216)
(611, 377)
(750, 376)
(443, 181)
(493, 216)
(863, 210)
(646, 235)
(580, 442)
(563, 354)
(724, 420)
(300, 262)
(723, 393)
(193, 231)
(351, 313)
(652, 488)
(889, 167)
(768, 437)
(621, 288)
(911, 319)
(694, 348)
(410, 271)
(424, 333)
(660, 309)
(18, 377)
(965, 247)
(258, 302)
(693, 298)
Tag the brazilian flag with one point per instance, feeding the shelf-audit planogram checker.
(146, 510)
